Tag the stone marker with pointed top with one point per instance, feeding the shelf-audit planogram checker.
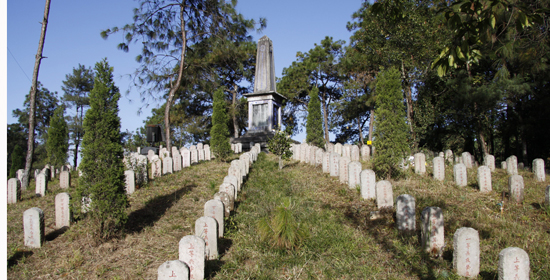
(33, 227)
(192, 251)
(206, 228)
(513, 263)
(231, 180)
(466, 252)
(214, 208)
(227, 200)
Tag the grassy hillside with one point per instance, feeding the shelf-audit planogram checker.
(341, 242)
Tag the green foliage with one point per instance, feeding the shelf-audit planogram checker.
(314, 125)
(15, 137)
(280, 146)
(57, 145)
(17, 161)
(219, 134)
(282, 230)
(102, 168)
(390, 129)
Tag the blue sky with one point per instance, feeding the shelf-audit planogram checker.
(73, 38)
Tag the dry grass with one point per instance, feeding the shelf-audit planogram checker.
(343, 243)
(160, 214)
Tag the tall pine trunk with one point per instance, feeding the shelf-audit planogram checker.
(234, 113)
(30, 142)
(325, 117)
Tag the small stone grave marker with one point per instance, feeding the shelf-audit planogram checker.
(338, 149)
(150, 155)
(515, 188)
(467, 159)
(156, 167)
(365, 153)
(177, 160)
(405, 212)
(449, 156)
(346, 151)
(64, 179)
(207, 152)
(539, 170)
(384, 194)
(227, 201)
(419, 163)
(432, 234)
(326, 162)
(206, 228)
(130, 181)
(303, 152)
(334, 165)
(41, 184)
(14, 190)
(167, 166)
(33, 227)
(173, 270)
(439, 169)
(489, 161)
(354, 174)
(232, 180)
(330, 147)
(200, 153)
(368, 184)
(319, 153)
(186, 157)
(484, 179)
(234, 170)
(214, 208)
(355, 154)
(512, 165)
(192, 251)
(466, 252)
(459, 172)
(343, 166)
(194, 156)
(62, 210)
(513, 263)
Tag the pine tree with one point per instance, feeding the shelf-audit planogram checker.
(219, 133)
(58, 138)
(103, 170)
(314, 125)
(390, 128)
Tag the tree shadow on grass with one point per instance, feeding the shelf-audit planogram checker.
(153, 210)
(212, 267)
(20, 254)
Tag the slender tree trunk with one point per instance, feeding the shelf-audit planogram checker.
(178, 82)
(408, 98)
(234, 113)
(360, 131)
(30, 142)
(371, 123)
(325, 118)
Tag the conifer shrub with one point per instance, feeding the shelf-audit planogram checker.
(390, 127)
(57, 144)
(102, 166)
(282, 230)
(314, 125)
(17, 161)
(219, 133)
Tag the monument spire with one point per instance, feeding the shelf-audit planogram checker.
(265, 67)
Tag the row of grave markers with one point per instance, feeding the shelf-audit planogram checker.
(14, 187)
(513, 262)
(194, 250)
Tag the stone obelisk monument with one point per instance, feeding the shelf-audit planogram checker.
(264, 104)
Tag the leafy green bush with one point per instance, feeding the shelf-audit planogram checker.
(280, 146)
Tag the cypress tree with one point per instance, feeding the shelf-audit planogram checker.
(102, 168)
(57, 144)
(17, 161)
(314, 125)
(390, 128)
(219, 133)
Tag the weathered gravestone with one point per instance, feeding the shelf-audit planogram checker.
(334, 162)
(19, 174)
(156, 167)
(432, 234)
(62, 210)
(355, 153)
(489, 161)
(215, 209)
(521, 166)
(515, 188)
(384, 194)
(200, 153)
(174, 150)
(459, 172)
(449, 156)
(439, 168)
(130, 181)
(177, 160)
(36, 172)
(242, 166)
(227, 200)
(303, 152)
(186, 157)
(167, 165)
(207, 153)
(484, 179)
(368, 184)
(319, 153)
(512, 165)
(232, 180)
(513, 263)
(343, 166)
(295, 151)
(150, 155)
(173, 270)
(467, 159)
(192, 251)
(338, 149)
(41, 184)
(503, 165)
(194, 156)
(354, 174)
(330, 147)
(234, 170)
(206, 228)
(365, 153)
(14, 190)
(405, 212)
(346, 151)
(539, 170)
(311, 155)
(326, 162)
(33, 227)
(466, 254)
(245, 158)
(419, 163)
(64, 179)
